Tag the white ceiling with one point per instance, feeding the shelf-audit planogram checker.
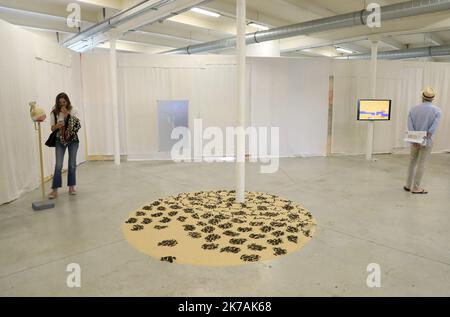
(49, 16)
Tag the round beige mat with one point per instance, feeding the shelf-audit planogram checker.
(209, 228)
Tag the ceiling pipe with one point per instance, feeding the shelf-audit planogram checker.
(134, 12)
(357, 18)
(114, 21)
(432, 51)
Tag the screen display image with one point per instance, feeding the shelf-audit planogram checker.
(374, 110)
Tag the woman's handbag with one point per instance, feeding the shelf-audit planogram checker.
(69, 133)
(51, 141)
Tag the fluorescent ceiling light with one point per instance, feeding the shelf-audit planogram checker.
(206, 12)
(343, 50)
(258, 26)
(318, 52)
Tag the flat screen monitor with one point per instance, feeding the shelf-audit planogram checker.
(374, 110)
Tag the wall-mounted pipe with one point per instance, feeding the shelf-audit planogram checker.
(432, 51)
(395, 11)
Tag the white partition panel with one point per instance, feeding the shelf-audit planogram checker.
(292, 94)
(207, 83)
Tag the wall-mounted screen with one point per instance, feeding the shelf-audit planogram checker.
(374, 109)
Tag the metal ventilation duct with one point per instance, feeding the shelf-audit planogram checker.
(133, 18)
(396, 11)
(432, 51)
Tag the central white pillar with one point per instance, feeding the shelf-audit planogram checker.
(241, 73)
(373, 89)
(114, 97)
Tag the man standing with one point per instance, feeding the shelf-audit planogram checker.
(424, 117)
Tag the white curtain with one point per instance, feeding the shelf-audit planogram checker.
(19, 161)
(210, 92)
(97, 100)
(401, 81)
(292, 94)
(410, 85)
(438, 75)
(207, 82)
(26, 75)
(287, 93)
(51, 80)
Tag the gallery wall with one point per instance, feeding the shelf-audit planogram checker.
(401, 81)
(31, 69)
(208, 83)
(292, 94)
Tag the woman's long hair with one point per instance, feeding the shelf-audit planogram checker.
(58, 106)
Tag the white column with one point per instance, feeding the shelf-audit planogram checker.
(241, 60)
(373, 89)
(115, 98)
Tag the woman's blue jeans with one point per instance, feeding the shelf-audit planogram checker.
(60, 150)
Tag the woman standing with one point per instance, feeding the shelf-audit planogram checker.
(64, 119)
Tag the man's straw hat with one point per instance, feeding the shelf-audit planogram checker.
(429, 93)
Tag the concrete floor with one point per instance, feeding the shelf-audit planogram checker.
(363, 217)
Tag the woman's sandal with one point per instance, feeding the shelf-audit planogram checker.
(406, 189)
(53, 196)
